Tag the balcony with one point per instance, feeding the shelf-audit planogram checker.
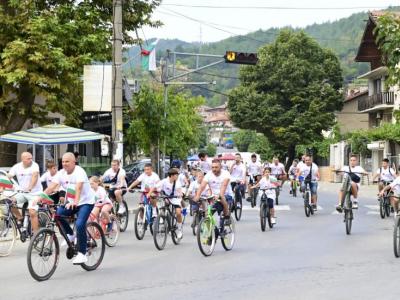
(377, 101)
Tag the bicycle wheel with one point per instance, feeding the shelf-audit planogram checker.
(8, 235)
(277, 196)
(269, 217)
(140, 220)
(387, 207)
(228, 236)
(262, 216)
(206, 237)
(396, 237)
(348, 218)
(294, 189)
(112, 235)
(43, 254)
(382, 211)
(195, 223)
(96, 246)
(238, 208)
(123, 218)
(160, 232)
(44, 219)
(174, 236)
(307, 208)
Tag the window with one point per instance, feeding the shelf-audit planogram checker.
(377, 86)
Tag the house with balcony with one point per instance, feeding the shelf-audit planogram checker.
(382, 100)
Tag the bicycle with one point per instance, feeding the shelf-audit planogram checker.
(199, 213)
(209, 230)
(9, 230)
(123, 219)
(44, 249)
(165, 223)
(308, 205)
(238, 202)
(384, 203)
(111, 233)
(143, 218)
(265, 213)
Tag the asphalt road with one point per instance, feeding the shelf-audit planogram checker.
(300, 258)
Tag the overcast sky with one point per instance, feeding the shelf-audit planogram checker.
(213, 24)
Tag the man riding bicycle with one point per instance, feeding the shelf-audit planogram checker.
(309, 174)
(385, 174)
(218, 181)
(116, 177)
(79, 199)
(27, 173)
(238, 174)
(354, 171)
(293, 174)
(394, 199)
(278, 170)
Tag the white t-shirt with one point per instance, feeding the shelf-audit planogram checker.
(166, 187)
(238, 171)
(68, 183)
(101, 196)
(24, 176)
(305, 170)
(277, 169)
(205, 166)
(358, 170)
(49, 179)
(268, 183)
(182, 179)
(110, 174)
(194, 187)
(387, 174)
(395, 185)
(293, 170)
(215, 182)
(254, 168)
(148, 182)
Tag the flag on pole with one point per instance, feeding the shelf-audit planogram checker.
(148, 54)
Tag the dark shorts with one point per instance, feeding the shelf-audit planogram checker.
(56, 196)
(111, 193)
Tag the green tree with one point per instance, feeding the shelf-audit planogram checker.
(388, 39)
(43, 47)
(211, 150)
(181, 129)
(291, 94)
(243, 139)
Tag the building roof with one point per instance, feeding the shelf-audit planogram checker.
(356, 95)
(218, 118)
(223, 106)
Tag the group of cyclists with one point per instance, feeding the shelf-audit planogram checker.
(83, 196)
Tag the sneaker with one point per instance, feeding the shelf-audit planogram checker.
(339, 208)
(248, 199)
(238, 205)
(121, 209)
(71, 238)
(80, 259)
(179, 233)
(273, 221)
(314, 206)
(355, 204)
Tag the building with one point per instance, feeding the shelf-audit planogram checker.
(218, 122)
(382, 100)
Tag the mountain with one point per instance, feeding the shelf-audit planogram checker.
(342, 36)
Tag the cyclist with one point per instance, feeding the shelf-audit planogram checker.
(194, 187)
(356, 172)
(310, 174)
(103, 204)
(394, 199)
(148, 181)
(80, 200)
(267, 182)
(254, 171)
(218, 181)
(48, 177)
(238, 174)
(116, 177)
(172, 188)
(293, 174)
(278, 170)
(27, 173)
(204, 164)
(385, 173)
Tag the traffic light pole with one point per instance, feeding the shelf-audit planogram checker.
(117, 123)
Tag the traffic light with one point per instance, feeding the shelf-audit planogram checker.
(242, 58)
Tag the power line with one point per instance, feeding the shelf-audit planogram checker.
(217, 75)
(273, 7)
(179, 15)
(213, 91)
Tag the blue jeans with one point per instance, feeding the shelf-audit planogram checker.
(83, 213)
(313, 186)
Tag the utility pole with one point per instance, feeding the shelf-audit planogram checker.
(117, 121)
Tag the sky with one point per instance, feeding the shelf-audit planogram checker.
(213, 24)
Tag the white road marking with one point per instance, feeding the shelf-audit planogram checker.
(372, 212)
(373, 207)
(277, 208)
